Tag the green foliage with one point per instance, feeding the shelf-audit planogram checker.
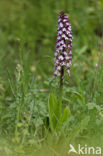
(56, 117)
(66, 114)
(76, 131)
(53, 111)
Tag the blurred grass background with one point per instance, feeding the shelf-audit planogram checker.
(28, 30)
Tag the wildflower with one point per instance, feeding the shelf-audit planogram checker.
(18, 72)
(63, 53)
(33, 68)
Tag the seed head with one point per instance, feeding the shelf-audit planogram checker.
(63, 53)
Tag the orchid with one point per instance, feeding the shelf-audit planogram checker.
(63, 58)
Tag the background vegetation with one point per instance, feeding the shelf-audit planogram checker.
(28, 30)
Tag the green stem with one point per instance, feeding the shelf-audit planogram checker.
(61, 91)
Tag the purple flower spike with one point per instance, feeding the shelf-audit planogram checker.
(63, 53)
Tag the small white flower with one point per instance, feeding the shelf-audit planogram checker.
(57, 50)
(64, 45)
(58, 27)
(66, 38)
(68, 71)
(63, 63)
(67, 23)
(69, 46)
(60, 32)
(56, 61)
(64, 29)
(68, 64)
(65, 16)
(58, 73)
(65, 53)
(64, 20)
(58, 44)
(55, 72)
(61, 57)
(59, 20)
(68, 32)
(70, 39)
(60, 48)
(67, 57)
(58, 67)
(62, 42)
(70, 35)
(69, 28)
(56, 54)
(61, 24)
(70, 52)
(58, 37)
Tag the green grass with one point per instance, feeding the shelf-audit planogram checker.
(28, 30)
